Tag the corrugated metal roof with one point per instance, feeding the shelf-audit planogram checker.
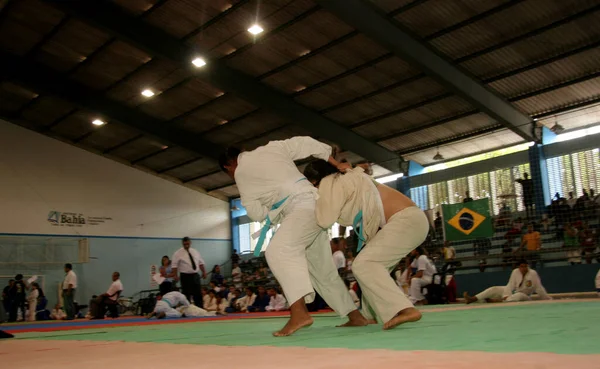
(575, 119)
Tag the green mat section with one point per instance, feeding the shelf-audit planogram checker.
(564, 328)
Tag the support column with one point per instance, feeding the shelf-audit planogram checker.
(237, 211)
(539, 172)
(403, 183)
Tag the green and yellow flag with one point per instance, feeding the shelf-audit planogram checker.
(467, 221)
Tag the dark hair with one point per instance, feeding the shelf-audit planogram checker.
(231, 153)
(118, 274)
(317, 170)
(68, 266)
(19, 277)
(337, 240)
(523, 261)
(420, 250)
(185, 239)
(215, 268)
(40, 291)
(11, 280)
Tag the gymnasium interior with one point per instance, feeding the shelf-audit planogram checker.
(114, 114)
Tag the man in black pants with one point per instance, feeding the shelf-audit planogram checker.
(188, 262)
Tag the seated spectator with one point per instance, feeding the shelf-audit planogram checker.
(99, 304)
(214, 287)
(587, 240)
(166, 271)
(532, 243)
(232, 300)
(58, 313)
(421, 277)
(261, 302)
(277, 302)
(221, 304)
(518, 224)
(236, 275)
(349, 261)
(572, 244)
(402, 274)
(523, 283)
(263, 271)
(205, 296)
(210, 304)
(216, 276)
(243, 303)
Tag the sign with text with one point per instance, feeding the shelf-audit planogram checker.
(63, 219)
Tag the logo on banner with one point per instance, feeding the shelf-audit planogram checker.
(61, 219)
(466, 220)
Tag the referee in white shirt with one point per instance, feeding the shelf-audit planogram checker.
(188, 262)
(69, 286)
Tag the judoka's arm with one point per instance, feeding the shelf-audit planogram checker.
(303, 146)
(255, 209)
(510, 287)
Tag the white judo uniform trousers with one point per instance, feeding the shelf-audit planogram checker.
(519, 288)
(416, 284)
(299, 254)
(169, 302)
(195, 311)
(403, 232)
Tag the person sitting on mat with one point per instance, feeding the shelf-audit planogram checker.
(523, 283)
(167, 304)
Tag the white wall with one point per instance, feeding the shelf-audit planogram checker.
(39, 175)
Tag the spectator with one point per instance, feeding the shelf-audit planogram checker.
(533, 243)
(339, 260)
(263, 271)
(221, 304)
(216, 275)
(572, 244)
(571, 201)
(32, 299)
(527, 193)
(166, 271)
(246, 301)
(261, 302)
(235, 257)
(17, 296)
(422, 277)
(205, 296)
(276, 302)
(236, 275)
(58, 313)
(587, 240)
(481, 248)
(232, 299)
(437, 224)
(349, 261)
(402, 274)
(211, 302)
(98, 305)
(7, 299)
(69, 287)
(188, 262)
(467, 198)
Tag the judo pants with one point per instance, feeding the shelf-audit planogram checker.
(299, 256)
(163, 307)
(497, 292)
(404, 232)
(195, 311)
(416, 288)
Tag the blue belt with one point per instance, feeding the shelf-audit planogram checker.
(358, 224)
(267, 226)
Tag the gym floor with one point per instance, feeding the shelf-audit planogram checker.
(545, 334)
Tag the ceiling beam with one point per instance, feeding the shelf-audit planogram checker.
(158, 43)
(449, 140)
(44, 80)
(370, 20)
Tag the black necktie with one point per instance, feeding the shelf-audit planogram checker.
(192, 259)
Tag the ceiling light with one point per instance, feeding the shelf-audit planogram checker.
(148, 93)
(390, 178)
(438, 156)
(255, 29)
(557, 128)
(199, 62)
(165, 147)
(98, 122)
(224, 121)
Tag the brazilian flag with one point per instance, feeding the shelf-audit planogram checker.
(467, 221)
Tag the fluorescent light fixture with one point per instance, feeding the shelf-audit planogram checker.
(255, 29)
(390, 178)
(98, 122)
(198, 62)
(148, 93)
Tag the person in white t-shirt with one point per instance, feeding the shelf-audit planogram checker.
(422, 277)
(236, 275)
(278, 302)
(338, 254)
(69, 286)
(98, 304)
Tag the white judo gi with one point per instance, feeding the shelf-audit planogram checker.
(422, 263)
(598, 283)
(519, 288)
(341, 197)
(169, 302)
(299, 254)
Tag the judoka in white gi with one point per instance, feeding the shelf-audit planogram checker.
(354, 199)
(523, 283)
(167, 307)
(277, 301)
(272, 188)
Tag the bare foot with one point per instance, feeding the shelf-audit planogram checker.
(372, 321)
(355, 319)
(405, 316)
(293, 325)
(469, 299)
